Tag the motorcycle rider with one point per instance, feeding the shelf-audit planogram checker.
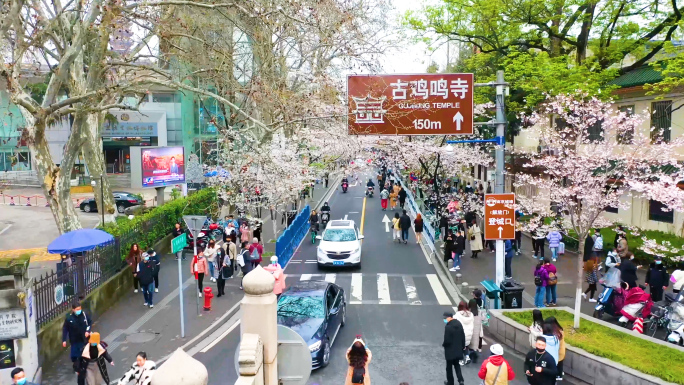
(325, 212)
(326, 207)
(314, 220)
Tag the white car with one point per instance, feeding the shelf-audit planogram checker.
(340, 244)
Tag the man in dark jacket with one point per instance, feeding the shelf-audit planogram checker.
(508, 247)
(657, 279)
(147, 268)
(77, 329)
(628, 270)
(405, 225)
(454, 345)
(459, 249)
(540, 366)
(443, 225)
(157, 261)
(402, 197)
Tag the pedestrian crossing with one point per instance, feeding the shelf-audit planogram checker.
(383, 288)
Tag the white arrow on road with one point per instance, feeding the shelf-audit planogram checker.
(500, 230)
(386, 221)
(458, 119)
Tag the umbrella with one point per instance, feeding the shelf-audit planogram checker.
(78, 241)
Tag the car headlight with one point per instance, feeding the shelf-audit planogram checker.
(315, 346)
(356, 250)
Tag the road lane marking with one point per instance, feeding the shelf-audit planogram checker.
(356, 288)
(411, 293)
(222, 336)
(330, 278)
(437, 288)
(363, 217)
(305, 277)
(310, 261)
(383, 289)
(425, 254)
(353, 212)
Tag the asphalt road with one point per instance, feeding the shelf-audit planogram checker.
(404, 333)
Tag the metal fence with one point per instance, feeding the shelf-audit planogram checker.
(75, 278)
(287, 241)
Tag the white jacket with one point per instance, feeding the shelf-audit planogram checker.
(468, 322)
(679, 279)
(141, 375)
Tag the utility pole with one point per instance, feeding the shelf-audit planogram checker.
(499, 181)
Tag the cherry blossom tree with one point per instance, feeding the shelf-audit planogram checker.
(595, 155)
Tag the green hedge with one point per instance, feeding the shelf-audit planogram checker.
(616, 345)
(152, 226)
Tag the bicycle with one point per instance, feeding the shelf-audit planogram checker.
(314, 233)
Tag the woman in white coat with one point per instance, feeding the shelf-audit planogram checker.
(465, 317)
(477, 329)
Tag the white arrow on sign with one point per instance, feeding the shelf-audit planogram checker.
(458, 119)
(500, 230)
(386, 221)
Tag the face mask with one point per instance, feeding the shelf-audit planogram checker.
(95, 344)
(22, 381)
(78, 312)
(658, 262)
(446, 321)
(147, 258)
(540, 351)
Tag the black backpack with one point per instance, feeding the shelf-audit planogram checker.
(357, 375)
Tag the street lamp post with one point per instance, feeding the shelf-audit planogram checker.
(500, 141)
(101, 206)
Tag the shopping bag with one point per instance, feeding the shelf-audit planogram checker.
(561, 248)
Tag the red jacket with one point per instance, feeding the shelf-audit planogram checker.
(496, 361)
(260, 249)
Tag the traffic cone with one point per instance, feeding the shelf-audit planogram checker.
(638, 326)
(12, 201)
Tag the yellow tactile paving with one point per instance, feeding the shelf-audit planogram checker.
(38, 254)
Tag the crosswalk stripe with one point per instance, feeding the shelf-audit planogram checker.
(441, 295)
(330, 278)
(356, 288)
(306, 277)
(411, 293)
(383, 289)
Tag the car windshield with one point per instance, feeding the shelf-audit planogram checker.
(339, 235)
(301, 306)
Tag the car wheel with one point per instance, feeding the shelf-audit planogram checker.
(326, 355)
(120, 209)
(86, 208)
(344, 316)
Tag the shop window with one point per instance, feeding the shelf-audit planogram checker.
(596, 132)
(656, 213)
(627, 136)
(610, 209)
(661, 121)
(164, 98)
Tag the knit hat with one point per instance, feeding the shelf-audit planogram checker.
(274, 259)
(94, 338)
(496, 350)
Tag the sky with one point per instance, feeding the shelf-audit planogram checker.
(414, 57)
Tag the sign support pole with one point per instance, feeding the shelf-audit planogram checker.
(499, 181)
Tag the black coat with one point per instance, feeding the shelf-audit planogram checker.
(459, 244)
(628, 272)
(449, 245)
(402, 195)
(405, 222)
(454, 340)
(443, 222)
(548, 365)
(657, 276)
(588, 248)
(75, 327)
(419, 225)
(81, 365)
(146, 271)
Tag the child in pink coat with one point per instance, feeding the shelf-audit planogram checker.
(277, 271)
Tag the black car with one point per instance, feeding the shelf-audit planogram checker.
(315, 310)
(123, 200)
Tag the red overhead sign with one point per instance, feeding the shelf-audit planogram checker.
(423, 104)
(499, 216)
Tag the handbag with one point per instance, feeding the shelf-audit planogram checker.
(484, 382)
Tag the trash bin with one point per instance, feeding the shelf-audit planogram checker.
(511, 294)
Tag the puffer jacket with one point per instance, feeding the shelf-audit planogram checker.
(142, 375)
(554, 238)
(491, 366)
(468, 322)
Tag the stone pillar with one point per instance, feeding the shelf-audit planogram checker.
(259, 307)
(181, 369)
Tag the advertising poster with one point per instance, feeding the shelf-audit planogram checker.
(162, 166)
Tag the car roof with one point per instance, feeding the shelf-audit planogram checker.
(309, 288)
(341, 223)
(121, 192)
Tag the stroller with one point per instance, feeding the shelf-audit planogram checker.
(675, 325)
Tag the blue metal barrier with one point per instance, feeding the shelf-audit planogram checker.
(289, 240)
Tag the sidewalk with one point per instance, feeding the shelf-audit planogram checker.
(129, 327)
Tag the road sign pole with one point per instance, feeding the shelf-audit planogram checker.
(180, 295)
(499, 181)
(194, 247)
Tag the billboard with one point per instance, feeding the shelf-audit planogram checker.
(421, 104)
(162, 166)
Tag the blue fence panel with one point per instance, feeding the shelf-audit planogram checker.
(289, 240)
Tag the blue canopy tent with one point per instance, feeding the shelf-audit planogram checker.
(78, 241)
